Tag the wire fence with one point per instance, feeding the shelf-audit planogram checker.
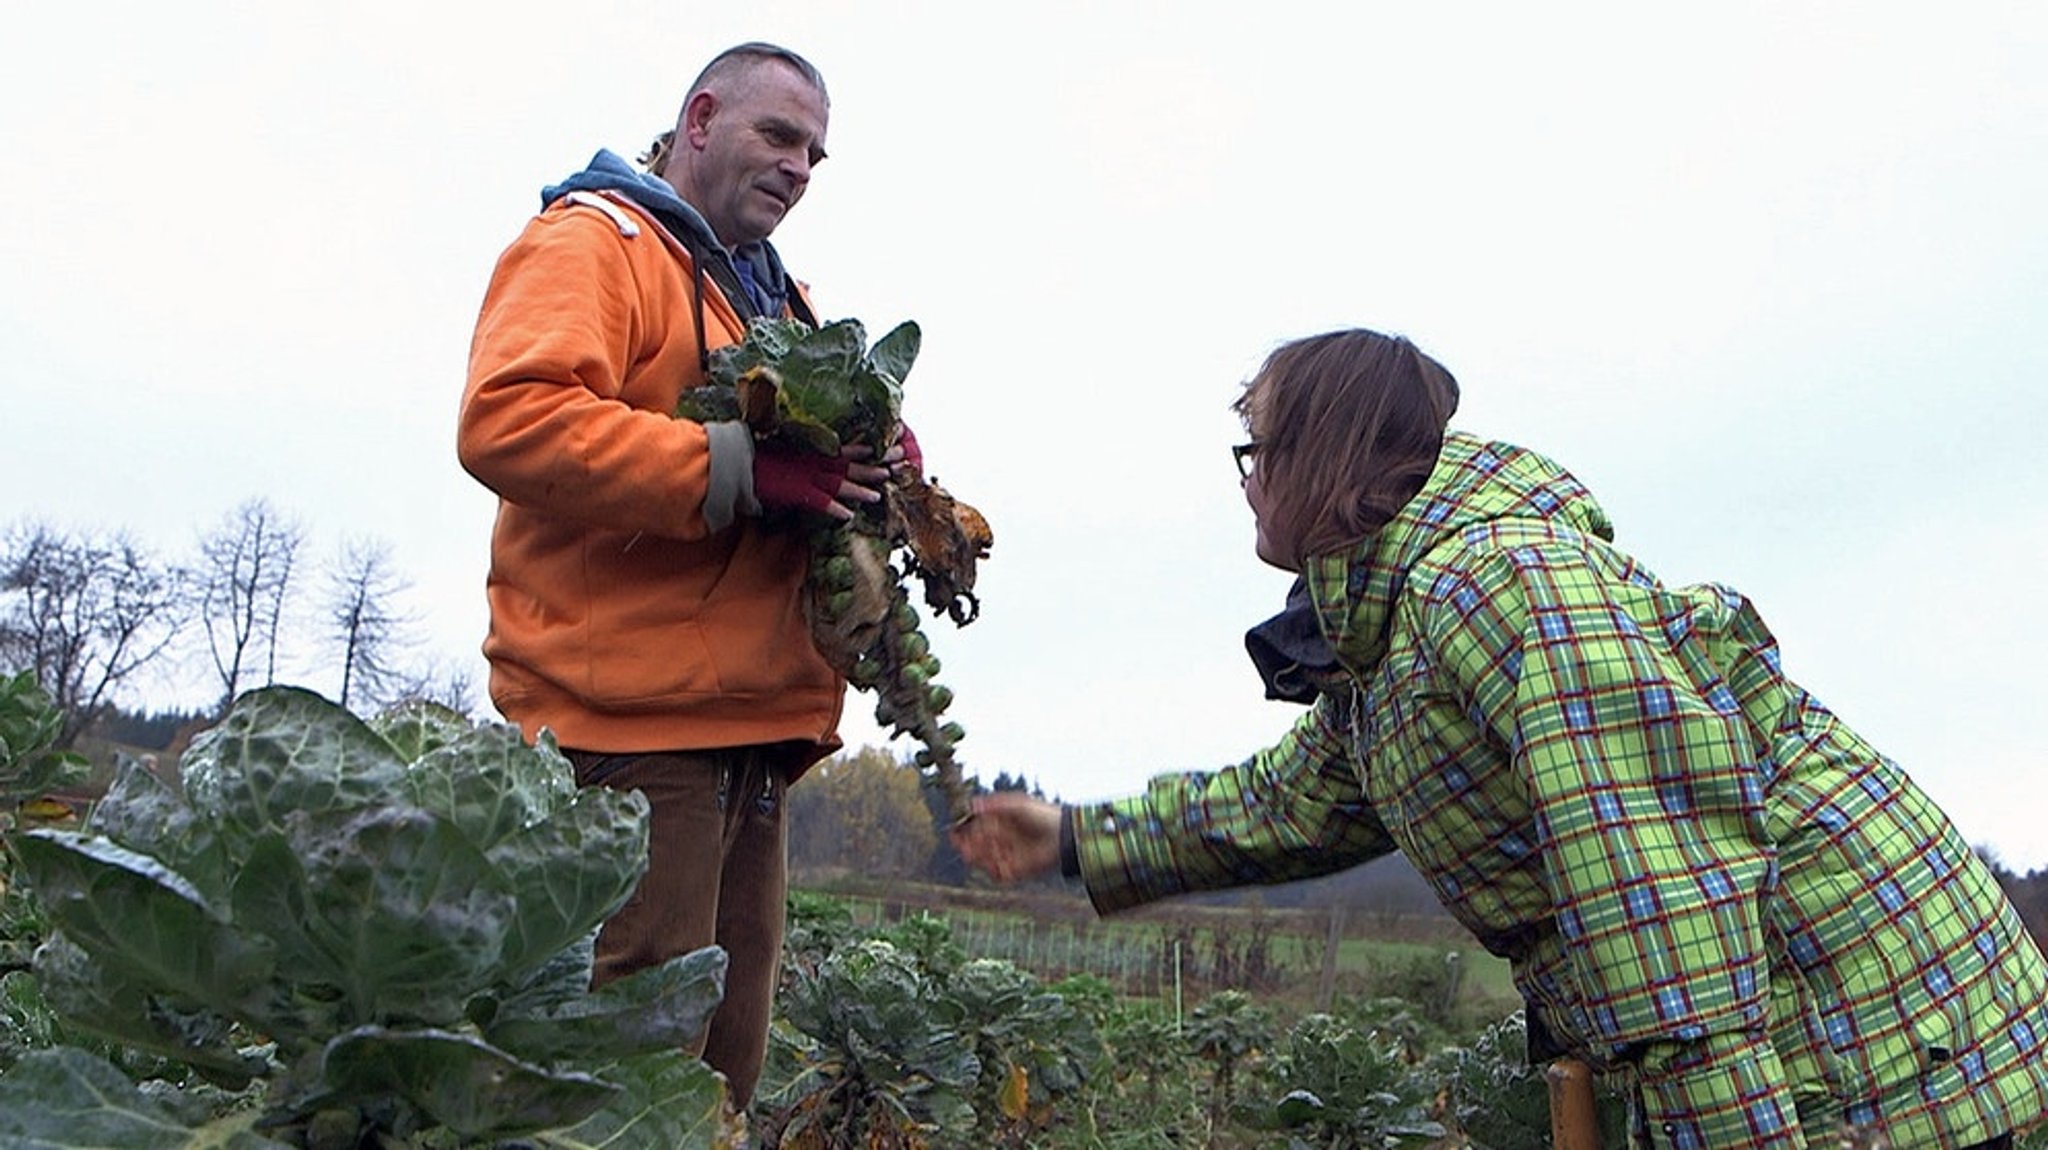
(1311, 956)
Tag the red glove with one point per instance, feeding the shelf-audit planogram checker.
(786, 478)
(913, 456)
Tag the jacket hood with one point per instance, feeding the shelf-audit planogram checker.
(765, 282)
(1476, 483)
(609, 172)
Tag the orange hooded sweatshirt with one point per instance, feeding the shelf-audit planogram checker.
(631, 608)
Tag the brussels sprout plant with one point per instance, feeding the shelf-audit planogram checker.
(819, 389)
(380, 932)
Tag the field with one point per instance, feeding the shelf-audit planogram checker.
(1185, 951)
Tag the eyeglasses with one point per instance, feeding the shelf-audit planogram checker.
(1244, 454)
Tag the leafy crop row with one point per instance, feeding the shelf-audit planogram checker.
(330, 933)
(897, 1038)
(337, 934)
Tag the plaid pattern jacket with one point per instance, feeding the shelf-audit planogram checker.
(1701, 876)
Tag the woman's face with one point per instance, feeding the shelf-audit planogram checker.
(1278, 536)
(1274, 543)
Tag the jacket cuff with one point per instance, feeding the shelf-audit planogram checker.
(1725, 1090)
(730, 492)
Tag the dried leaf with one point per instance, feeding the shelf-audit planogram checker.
(1016, 1095)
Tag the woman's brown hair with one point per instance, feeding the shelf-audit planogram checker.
(1347, 425)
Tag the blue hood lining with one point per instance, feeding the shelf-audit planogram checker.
(755, 271)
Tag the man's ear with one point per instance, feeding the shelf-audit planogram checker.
(697, 116)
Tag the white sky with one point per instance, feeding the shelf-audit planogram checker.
(1771, 277)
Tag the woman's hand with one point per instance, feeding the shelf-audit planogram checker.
(1011, 836)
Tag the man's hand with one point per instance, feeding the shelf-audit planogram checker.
(785, 478)
(906, 451)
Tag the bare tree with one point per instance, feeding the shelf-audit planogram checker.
(86, 614)
(244, 576)
(437, 681)
(366, 624)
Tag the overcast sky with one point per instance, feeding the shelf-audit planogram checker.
(1771, 277)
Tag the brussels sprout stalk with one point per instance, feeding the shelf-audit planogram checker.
(818, 390)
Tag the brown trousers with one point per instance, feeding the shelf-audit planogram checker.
(717, 874)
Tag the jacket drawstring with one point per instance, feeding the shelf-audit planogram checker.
(697, 310)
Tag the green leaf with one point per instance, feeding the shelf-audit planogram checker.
(568, 873)
(283, 750)
(461, 1082)
(417, 727)
(664, 1007)
(67, 1099)
(27, 1021)
(768, 339)
(710, 403)
(896, 352)
(142, 812)
(119, 1007)
(490, 783)
(29, 724)
(565, 976)
(816, 372)
(991, 988)
(142, 919)
(666, 1102)
(832, 389)
(871, 1002)
(393, 906)
(1299, 1107)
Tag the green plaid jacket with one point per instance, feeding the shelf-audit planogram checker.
(1701, 876)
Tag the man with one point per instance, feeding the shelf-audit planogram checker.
(646, 572)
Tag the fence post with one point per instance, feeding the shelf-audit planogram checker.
(1176, 986)
(1326, 984)
(1574, 1122)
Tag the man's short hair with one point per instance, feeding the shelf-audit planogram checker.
(741, 57)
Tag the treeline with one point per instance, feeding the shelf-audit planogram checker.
(867, 814)
(154, 731)
(105, 621)
(2029, 894)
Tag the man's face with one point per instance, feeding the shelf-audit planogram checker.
(748, 151)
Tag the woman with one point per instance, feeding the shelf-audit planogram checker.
(1702, 878)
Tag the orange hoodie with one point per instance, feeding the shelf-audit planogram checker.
(620, 619)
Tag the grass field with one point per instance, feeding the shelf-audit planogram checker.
(1187, 951)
